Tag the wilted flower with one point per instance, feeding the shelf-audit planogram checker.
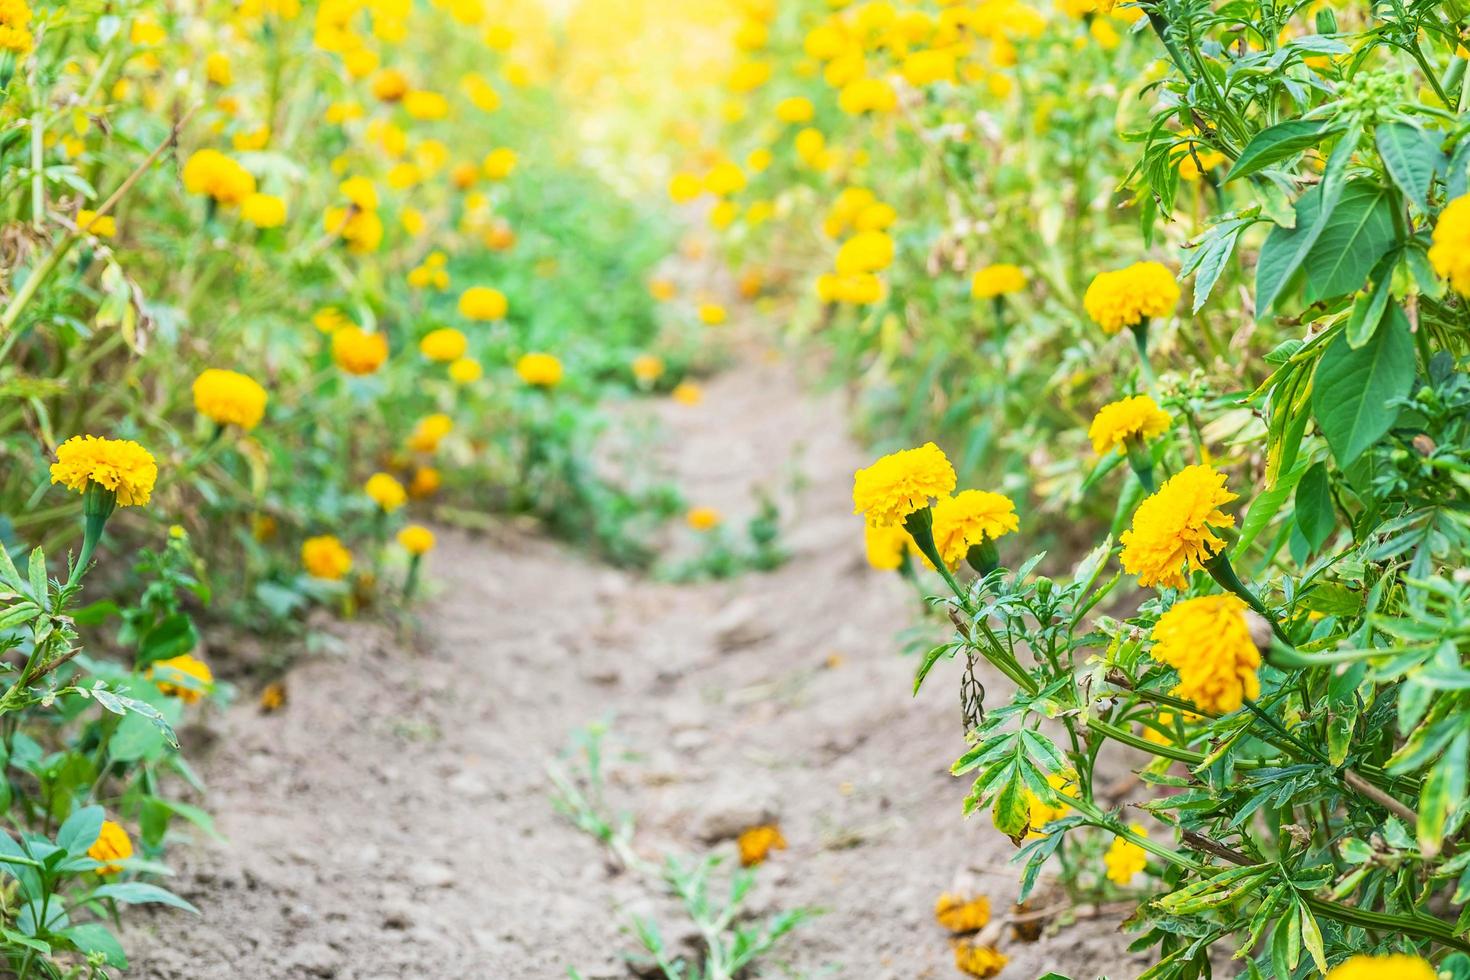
(326, 558)
(229, 398)
(960, 914)
(980, 961)
(757, 843)
(185, 677)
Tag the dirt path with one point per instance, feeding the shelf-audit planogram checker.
(393, 820)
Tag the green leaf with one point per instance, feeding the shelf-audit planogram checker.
(1355, 234)
(1281, 253)
(80, 831)
(1276, 143)
(1442, 792)
(37, 571)
(138, 893)
(1412, 158)
(94, 937)
(1264, 509)
(171, 637)
(930, 659)
(1314, 514)
(1367, 314)
(1312, 937)
(1352, 388)
(1012, 811)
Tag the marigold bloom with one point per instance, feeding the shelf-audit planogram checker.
(960, 914)
(326, 558)
(1171, 531)
(867, 95)
(112, 845)
(386, 491)
(758, 842)
(390, 85)
(687, 393)
(867, 251)
(362, 231)
(212, 174)
(725, 179)
(997, 280)
(329, 319)
(499, 163)
(1124, 858)
(540, 370)
(185, 677)
(975, 960)
(1128, 296)
(273, 697)
(264, 210)
(423, 104)
(685, 187)
(1043, 813)
(900, 483)
(119, 465)
(465, 370)
(429, 431)
(885, 546)
(1208, 641)
(360, 191)
(443, 345)
(1450, 251)
(648, 368)
(796, 109)
(15, 32)
(89, 223)
(703, 518)
(712, 314)
(217, 69)
(358, 352)
(229, 398)
(483, 303)
(969, 518)
(1391, 966)
(425, 483)
(416, 540)
(1116, 423)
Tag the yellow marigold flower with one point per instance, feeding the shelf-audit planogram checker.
(185, 677)
(264, 210)
(648, 368)
(424, 104)
(797, 109)
(428, 432)
(112, 844)
(217, 69)
(928, 66)
(960, 914)
(867, 95)
(968, 519)
(329, 319)
(483, 303)
(358, 352)
(119, 465)
(103, 227)
(684, 187)
(687, 393)
(1208, 640)
(465, 370)
(867, 251)
(975, 960)
(1129, 296)
(425, 483)
(361, 230)
(540, 370)
(1043, 813)
(326, 558)
(662, 290)
(1171, 531)
(712, 314)
(725, 179)
(885, 546)
(212, 174)
(500, 237)
(758, 842)
(997, 280)
(1450, 251)
(416, 539)
(15, 33)
(255, 139)
(444, 345)
(386, 491)
(360, 191)
(900, 483)
(1166, 721)
(703, 518)
(500, 163)
(1391, 966)
(1116, 423)
(875, 217)
(390, 85)
(1124, 858)
(229, 398)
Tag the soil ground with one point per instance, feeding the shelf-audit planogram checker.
(393, 820)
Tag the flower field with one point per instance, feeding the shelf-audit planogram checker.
(864, 488)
